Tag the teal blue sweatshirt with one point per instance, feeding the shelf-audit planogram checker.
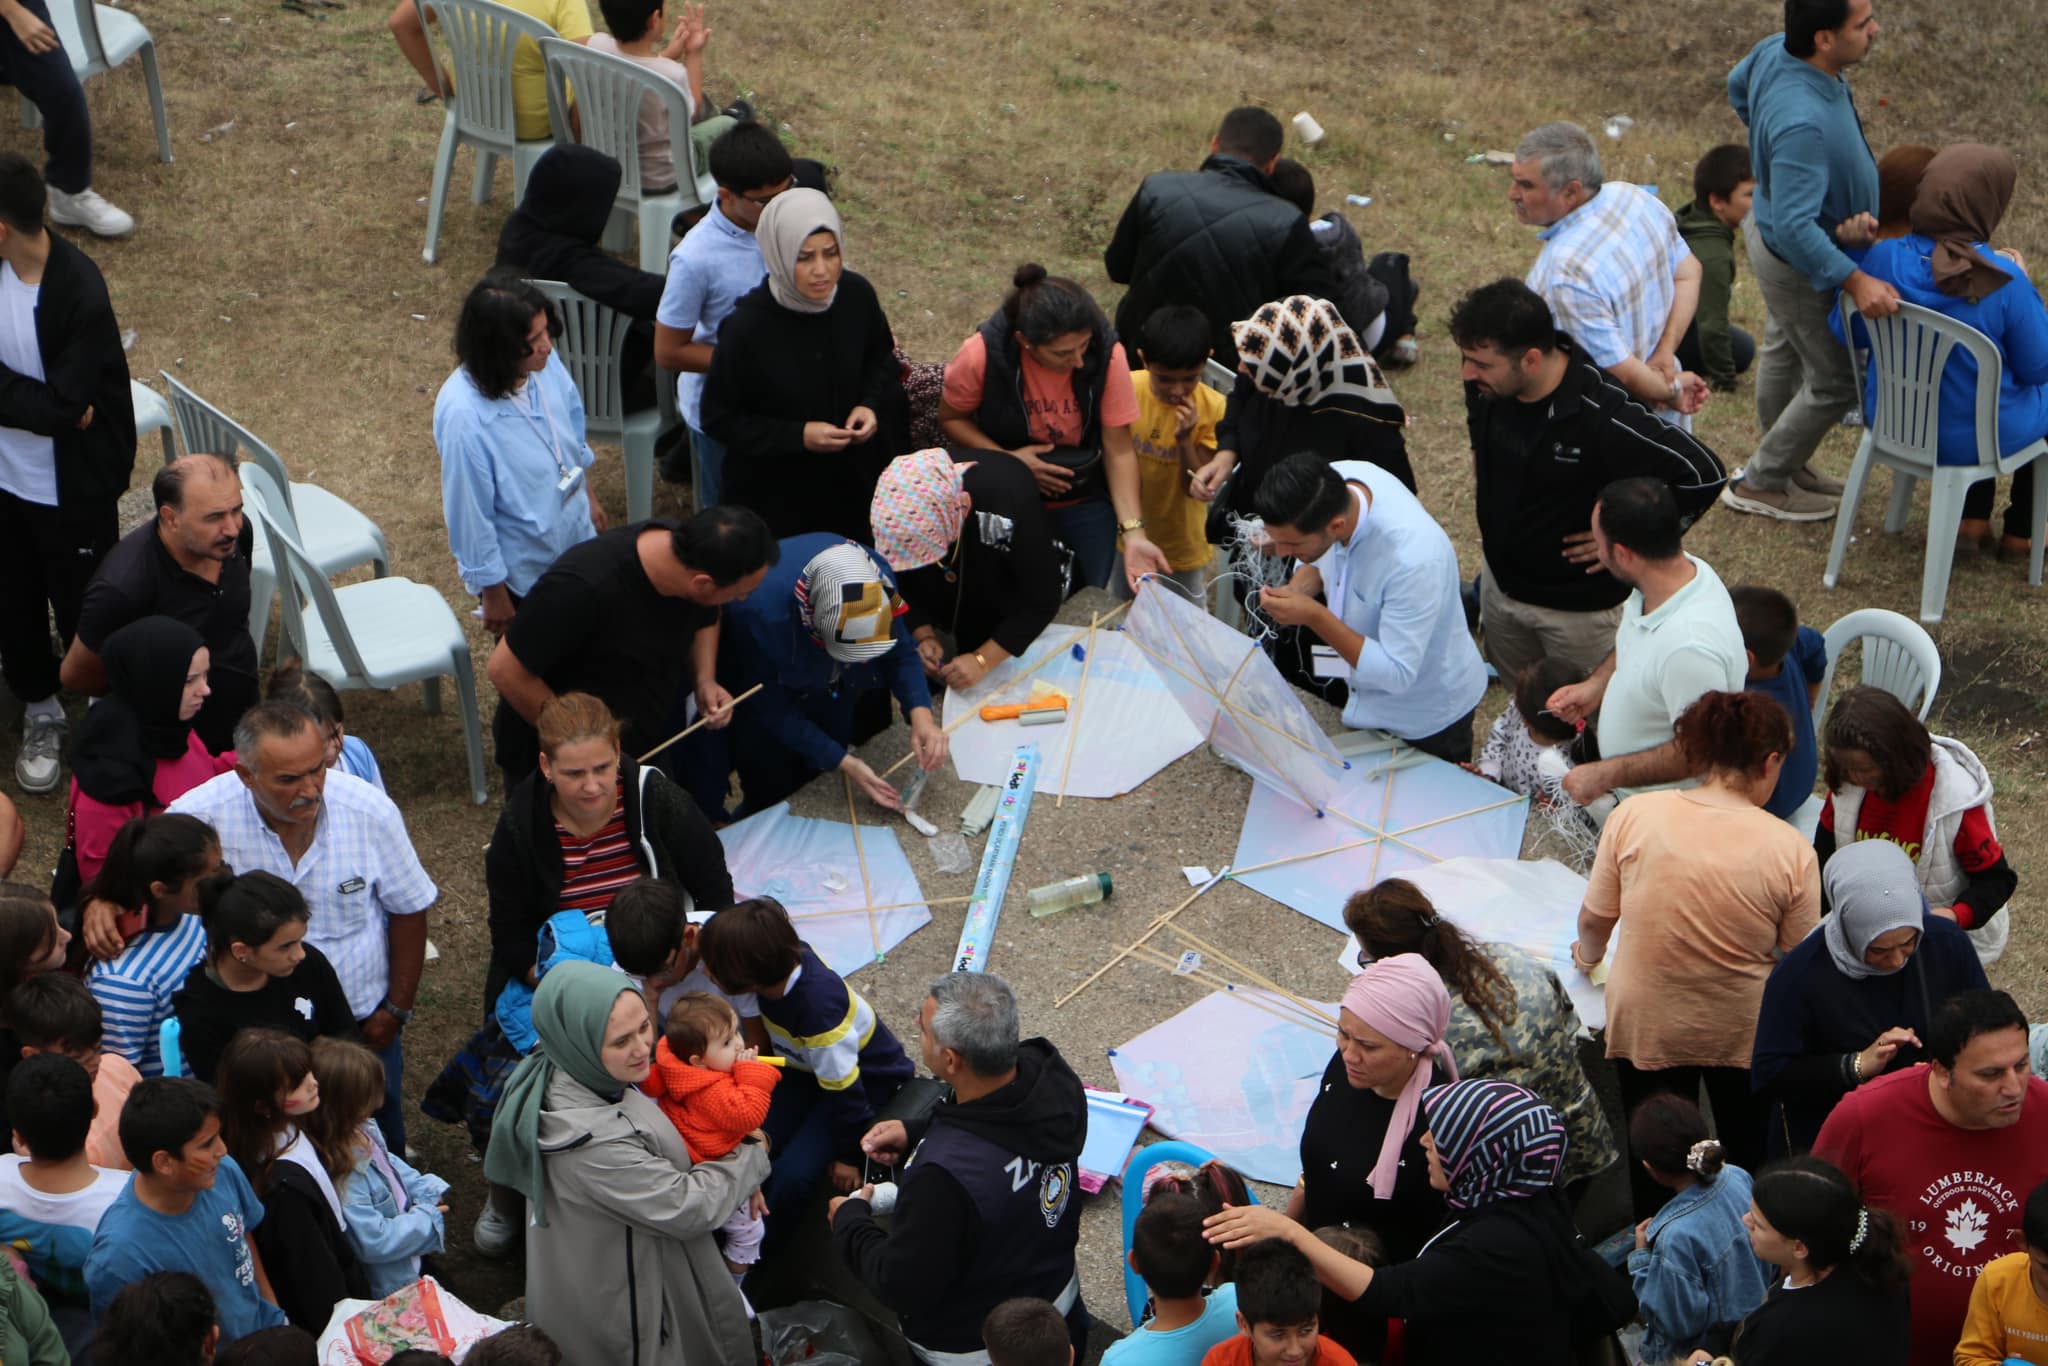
(1813, 167)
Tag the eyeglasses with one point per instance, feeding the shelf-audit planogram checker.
(1365, 959)
(760, 199)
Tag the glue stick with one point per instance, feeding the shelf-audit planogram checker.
(1055, 897)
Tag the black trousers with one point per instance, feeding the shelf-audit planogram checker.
(47, 556)
(1741, 344)
(46, 79)
(1738, 1112)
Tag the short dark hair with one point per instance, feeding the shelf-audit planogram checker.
(627, 19)
(1965, 1015)
(748, 157)
(1663, 1132)
(523, 1344)
(1506, 315)
(164, 1319)
(52, 1009)
(491, 330)
(1806, 20)
(1026, 1332)
(1294, 183)
(751, 945)
(49, 1103)
(1252, 133)
(23, 197)
(1303, 491)
(1881, 726)
(1533, 687)
(1042, 306)
(1720, 171)
(282, 1345)
(1175, 337)
(1276, 1285)
(1769, 622)
(695, 1022)
(1167, 1246)
(420, 1356)
(1639, 513)
(161, 1115)
(726, 543)
(645, 925)
(167, 485)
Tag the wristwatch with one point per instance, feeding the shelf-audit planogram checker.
(395, 1012)
(1132, 524)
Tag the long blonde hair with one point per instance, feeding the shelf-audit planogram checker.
(351, 1090)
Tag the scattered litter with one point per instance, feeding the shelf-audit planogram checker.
(902, 293)
(1007, 108)
(433, 953)
(421, 200)
(419, 317)
(1450, 137)
(225, 318)
(218, 130)
(2029, 740)
(1017, 198)
(293, 124)
(127, 339)
(1190, 962)
(950, 852)
(1618, 125)
(833, 881)
(1067, 893)
(1491, 159)
(1307, 129)
(980, 810)
(919, 824)
(1361, 200)
(1196, 875)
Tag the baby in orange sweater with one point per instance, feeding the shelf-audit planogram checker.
(715, 1091)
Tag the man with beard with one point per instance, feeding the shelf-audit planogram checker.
(191, 564)
(1678, 638)
(1549, 430)
(343, 844)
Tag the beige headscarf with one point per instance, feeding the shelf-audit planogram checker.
(1962, 197)
(789, 218)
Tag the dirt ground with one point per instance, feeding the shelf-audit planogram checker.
(276, 269)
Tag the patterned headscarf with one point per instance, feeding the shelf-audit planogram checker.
(1302, 352)
(1494, 1140)
(1403, 999)
(844, 601)
(919, 508)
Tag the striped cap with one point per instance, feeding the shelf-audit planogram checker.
(844, 600)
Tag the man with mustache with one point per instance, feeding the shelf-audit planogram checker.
(191, 564)
(343, 844)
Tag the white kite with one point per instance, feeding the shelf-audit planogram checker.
(850, 890)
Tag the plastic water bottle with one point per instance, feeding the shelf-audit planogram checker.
(1055, 897)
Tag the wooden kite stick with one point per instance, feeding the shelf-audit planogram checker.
(874, 929)
(1157, 925)
(1231, 707)
(1247, 972)
(705, 719)
(1386, 804)
(970, 713)
(1234, 873)
(892, 906)
(1301, 1013)
(1074, 720)
(1456, 816)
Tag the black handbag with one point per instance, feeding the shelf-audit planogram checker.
(1083, 463)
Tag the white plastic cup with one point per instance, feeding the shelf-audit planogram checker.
(1307, 129)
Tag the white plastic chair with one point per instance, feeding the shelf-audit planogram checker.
(382, 634)
(592, 341)
(1898, 656)
(334, 532)
(152, 414)
(610, 92)
(482, 38)
(99, 38)
(1910, 349)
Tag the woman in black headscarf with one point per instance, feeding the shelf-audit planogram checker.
(553, 235)
(136, 751)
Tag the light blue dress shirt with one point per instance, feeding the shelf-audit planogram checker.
(709, 270)
(504, 466)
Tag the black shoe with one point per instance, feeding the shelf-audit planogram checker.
(1470, 593)
(672, 454)
(740, 111)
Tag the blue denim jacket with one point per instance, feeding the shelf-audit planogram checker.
(1698, 1269)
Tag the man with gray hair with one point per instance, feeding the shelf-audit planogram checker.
(343, 844)
(986, 1208)
(192, 564)
(1613, 268)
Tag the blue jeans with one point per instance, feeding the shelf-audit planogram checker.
(799, 1129)
(1089, 530)
(391, 1118)
(48, 83)
(708, 464)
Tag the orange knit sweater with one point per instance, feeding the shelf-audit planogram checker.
(712, 1110)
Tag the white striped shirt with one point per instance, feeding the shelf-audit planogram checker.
(135, 989)
(359, 871)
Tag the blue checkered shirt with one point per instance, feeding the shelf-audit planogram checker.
(1607, 270)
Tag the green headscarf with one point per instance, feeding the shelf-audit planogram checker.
(570, 1013)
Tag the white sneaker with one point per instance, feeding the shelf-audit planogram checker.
(87, 210)
(39, 765)
(494, 1234)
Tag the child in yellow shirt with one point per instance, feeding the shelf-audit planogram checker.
(1175, 435)
(2008, 1318)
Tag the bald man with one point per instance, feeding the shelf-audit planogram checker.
(191, 563)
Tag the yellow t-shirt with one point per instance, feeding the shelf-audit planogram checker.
(569, 19)
(2007, 1320)
(1172, 519)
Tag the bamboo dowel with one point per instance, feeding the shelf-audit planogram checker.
(1080, 698)
(1246, 971)
(1253, 997)
(868, 910)
(866, 890)
(968, 715)
(1372, 874)
(703, 720)
(1232, 707)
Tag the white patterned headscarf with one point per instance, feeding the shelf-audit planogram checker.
(1302, 352)
(847, 604)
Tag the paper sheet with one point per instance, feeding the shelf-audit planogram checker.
(812, 867)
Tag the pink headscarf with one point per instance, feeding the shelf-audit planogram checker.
(919, 507)
(1403, 998)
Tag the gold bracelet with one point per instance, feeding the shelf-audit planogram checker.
(981, 659)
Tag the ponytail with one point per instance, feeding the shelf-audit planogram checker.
(246, 909)
(1669, 1132)
(1043, 306)
(1810, 1201)
(1396, 917)
(170, 848)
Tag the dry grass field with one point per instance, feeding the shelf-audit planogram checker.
(277, 270)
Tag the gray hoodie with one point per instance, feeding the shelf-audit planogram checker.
(626, 1273)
